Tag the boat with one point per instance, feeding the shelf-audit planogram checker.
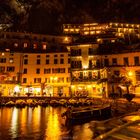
(99, 112)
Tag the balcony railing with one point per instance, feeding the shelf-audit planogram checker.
(87, 79)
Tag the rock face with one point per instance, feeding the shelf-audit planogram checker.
(46, 16)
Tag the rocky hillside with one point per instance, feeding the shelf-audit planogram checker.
(47, 16)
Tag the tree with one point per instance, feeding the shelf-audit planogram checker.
(127, 82)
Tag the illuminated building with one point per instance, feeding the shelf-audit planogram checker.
(69, 64)
(105, 32)
(85, 70)
(29, 63)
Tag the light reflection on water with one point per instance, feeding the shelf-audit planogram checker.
(40, 123)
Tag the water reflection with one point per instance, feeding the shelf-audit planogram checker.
(40, 123)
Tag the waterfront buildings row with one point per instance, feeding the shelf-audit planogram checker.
(65, 65)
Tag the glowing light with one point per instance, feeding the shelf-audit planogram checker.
(2, 54)
(66, 30)
(55, 78)
(17, 88)
(89, 86)
(66, 39)
(130, 73)
(71, 30)
(72, 86)
(85, 66)
(98, 32)
(86, 33)
(77, 30)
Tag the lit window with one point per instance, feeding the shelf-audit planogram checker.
(11, 60)
(37, 80)
(2, 54)
(86, 33)
(44, 46)
(112, 41)
(25, 45)
(7, 50)
(35, 46)
(15, 44)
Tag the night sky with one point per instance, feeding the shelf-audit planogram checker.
(47, 16)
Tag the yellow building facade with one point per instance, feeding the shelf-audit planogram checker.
(36, 73)
(56, 66)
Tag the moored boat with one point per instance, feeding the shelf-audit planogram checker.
(99, 112)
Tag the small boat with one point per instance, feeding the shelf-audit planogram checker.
(99, 112)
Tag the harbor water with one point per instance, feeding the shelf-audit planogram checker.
(40, 123)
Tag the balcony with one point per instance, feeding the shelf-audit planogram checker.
(84, 79)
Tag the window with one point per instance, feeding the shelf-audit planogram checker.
(37, 71)
(47, 71)
(11, 54)
(25, 55)
(117, 72)
(15, 44)
(34, 46)
(69, 70)
(61, 80)
(10, 69)
(25, 61)
(76, 52)
(137, 75)
(68, 60)
(114, 61)
(125, 61)
(61, 55)
(55, 55)
(25, 71)
(44, 46)
(47, 80)
(25, 45)
(68, 79)
(2, 69)
(2, 60)
(11, 60)
(54, 70)
(47, 61)
(55, 61)
(136, 60)
(24, 80)
(38, 61)
(47, 55)
(38, 56)
(61, 61)
(37, 80)
(106, 62)
(62, 70)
